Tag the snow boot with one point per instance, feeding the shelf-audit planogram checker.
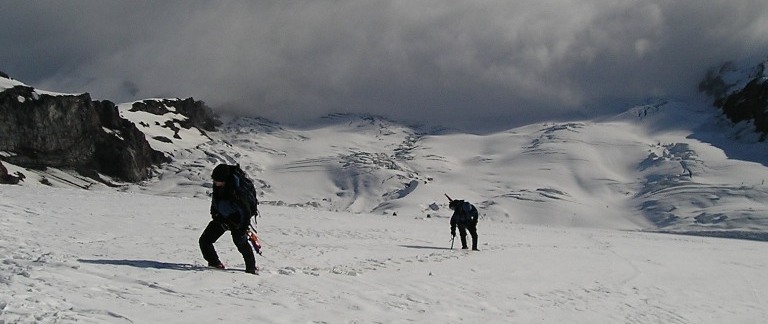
(217, 265)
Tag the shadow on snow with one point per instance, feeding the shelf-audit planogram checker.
(425, 247)
(147, 264)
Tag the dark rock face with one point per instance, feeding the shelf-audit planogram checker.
(125, 153)
(74, 132)
(749, 103)
(45, 130)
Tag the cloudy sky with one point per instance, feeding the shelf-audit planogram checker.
(456, 62)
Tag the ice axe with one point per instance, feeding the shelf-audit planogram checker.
(452, 237)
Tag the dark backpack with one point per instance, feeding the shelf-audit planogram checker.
(468, 213)
(245, 191)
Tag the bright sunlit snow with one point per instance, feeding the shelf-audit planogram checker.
(157, 132)
(79, 256)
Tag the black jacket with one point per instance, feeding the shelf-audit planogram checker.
(464, 214)
(227, 209)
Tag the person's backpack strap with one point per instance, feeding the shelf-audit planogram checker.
(245, 190)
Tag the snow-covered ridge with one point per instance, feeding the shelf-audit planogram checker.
(731, 77)
(164, 132)
(8, 83)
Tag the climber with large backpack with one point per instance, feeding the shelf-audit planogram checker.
(233, 203)
(464, 217)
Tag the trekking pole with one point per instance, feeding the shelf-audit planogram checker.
(453, 237)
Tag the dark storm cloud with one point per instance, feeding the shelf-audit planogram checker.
(448, 61)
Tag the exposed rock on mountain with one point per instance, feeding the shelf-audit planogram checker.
(40, 129)
(751, 104)
(198, 114)
(741, 93)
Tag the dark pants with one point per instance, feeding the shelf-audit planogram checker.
(472, 228)
(213, 231)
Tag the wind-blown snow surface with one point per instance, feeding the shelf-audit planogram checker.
(562, 204)
(99, 257)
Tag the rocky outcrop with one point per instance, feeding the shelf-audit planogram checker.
(198, 114)
(41, 130)
(72, 132)
(123, 150)
(742, 94)
(750, 104)
(44, 130)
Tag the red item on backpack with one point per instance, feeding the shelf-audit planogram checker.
(254, 241)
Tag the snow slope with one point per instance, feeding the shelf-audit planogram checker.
(566, 234)
(71, 255)
(662, 166)
(79, 256)
(666, 166)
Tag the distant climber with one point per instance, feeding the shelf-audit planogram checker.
(464, 217)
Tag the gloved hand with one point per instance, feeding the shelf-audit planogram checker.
(453, 232)
(219, 218)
